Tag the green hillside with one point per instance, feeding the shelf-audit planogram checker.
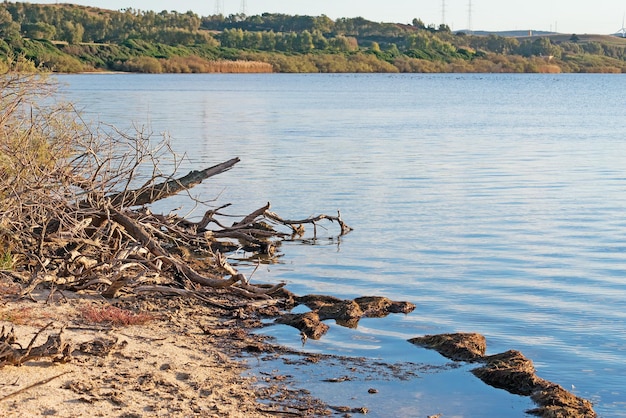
(71, 38)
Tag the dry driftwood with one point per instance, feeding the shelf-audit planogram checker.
(152, 193)
(98, 243)
(56, 347)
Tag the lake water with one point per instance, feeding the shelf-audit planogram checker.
(495, 203)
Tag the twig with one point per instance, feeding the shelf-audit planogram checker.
(42, 382)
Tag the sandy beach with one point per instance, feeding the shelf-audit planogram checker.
(178, 363)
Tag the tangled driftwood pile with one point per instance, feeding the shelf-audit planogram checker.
(99, 244)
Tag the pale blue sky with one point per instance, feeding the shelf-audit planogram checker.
(567, 16)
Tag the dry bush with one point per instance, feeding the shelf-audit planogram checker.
(26, 315)
(195, 64)
(114, 316)
(55, 170)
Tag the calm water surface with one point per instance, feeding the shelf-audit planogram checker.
(495, 203)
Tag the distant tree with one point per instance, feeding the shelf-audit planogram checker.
(232, 38)
(72, 32)
(39, 30)
(252, 40)
(418, 23)
(323, 24)
(574, 38)
(8, 28)
(392, 50)
(343, 44)
(319, 40)
(593, 47)
(304, 42)
(268, 41)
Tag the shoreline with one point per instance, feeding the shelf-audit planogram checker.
(192, 359)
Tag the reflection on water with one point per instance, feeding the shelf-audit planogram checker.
(495, 203)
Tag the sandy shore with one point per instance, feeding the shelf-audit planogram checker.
(179, 363)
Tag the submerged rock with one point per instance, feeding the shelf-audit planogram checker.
(343, 311)
(556, 402)
(309, 323)
(510, 371)
(377, 306)
(346, 313)
(458, 347)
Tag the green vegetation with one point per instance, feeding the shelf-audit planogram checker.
(69, 38)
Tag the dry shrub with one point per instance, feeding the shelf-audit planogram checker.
(19, 316)
(115, 316)
(416, 65)
(195, 64)
(51, 163)
(550, 69)
(239, 67)
(26, 315)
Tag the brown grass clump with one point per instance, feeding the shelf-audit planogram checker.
(112, 315)
(26, 315)
(195, 64)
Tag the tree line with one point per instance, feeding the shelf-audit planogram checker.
(70, 38)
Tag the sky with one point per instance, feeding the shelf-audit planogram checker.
(565, 16)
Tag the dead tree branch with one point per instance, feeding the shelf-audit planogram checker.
(152, 193)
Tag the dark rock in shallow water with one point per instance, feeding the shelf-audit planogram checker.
(309, 323)
(343, 311)
(346, 313)
(458, 347)
(377, 306)
(555, 402)
(510, 371)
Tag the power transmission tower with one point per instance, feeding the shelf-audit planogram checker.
(622, 31)
(219, 7)
(443, 12)
(244, 7)
(469, 17)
